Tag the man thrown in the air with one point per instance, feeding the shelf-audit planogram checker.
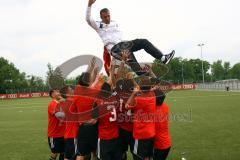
(111, 36)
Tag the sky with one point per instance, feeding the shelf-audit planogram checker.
(36, 32)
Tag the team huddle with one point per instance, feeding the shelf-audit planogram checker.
(104, 118)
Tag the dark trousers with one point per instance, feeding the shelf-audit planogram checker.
(133, 46)
(161, 154)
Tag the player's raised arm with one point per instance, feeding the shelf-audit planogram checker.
(89, 19)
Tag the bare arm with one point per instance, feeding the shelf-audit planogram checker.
(97, 80)
(89, 19)
(131, 100)
(112, 78)
(91, 66)
(121, 70)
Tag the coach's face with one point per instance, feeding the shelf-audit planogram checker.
(106, 18)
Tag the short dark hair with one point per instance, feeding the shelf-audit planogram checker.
(106, 90)
(145, 84)
(51, 92)
(104, 10)
(128, 85)
(63, 91)
(84, 79)
(119, 85)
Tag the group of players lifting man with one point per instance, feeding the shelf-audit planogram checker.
(102, 118)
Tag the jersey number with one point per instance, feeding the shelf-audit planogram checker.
(114, 115)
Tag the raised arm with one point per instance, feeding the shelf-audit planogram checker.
(121, 70)
(89, 19)
(131, 100)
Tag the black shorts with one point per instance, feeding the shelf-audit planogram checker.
(109, 149)
(70, 148)
(126, 139)
(56, 144)
(143, 148)
(161, 154)
(87, 139)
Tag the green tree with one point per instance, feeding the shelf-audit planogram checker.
(196, 65)
(235, 71)
(217, 70)
(226, 67)
(11, 77)
(55, 79)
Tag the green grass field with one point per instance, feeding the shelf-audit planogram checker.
(204, 125)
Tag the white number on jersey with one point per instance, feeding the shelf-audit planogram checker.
(114, 115)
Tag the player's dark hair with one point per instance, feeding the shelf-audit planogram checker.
(145, 84)
(106, 90)
(51, 92)
(119, 85)
(160, 97)
(84, 79)
(63, 91)
(128, 86)
(104, 10)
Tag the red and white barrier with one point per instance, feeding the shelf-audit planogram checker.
(190, 86)
(24, 95)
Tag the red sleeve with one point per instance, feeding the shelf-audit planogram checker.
(52, 108)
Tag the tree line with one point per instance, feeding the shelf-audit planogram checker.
(192, 70)
(180, 70)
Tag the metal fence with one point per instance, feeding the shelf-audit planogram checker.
(220, 86)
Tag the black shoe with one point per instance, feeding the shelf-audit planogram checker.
(169, 57)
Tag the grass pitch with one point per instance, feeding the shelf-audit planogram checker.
(204, 126)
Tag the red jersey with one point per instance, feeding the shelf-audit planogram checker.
(71, 128)
(144, 110)
(56, 127)
(84, 100)
(124, 115)
(162, 138)
(107, 124)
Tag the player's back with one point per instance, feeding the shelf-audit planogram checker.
(162, 137)
(124, 115)
(144, 110)
(84, 98)
(107, 124)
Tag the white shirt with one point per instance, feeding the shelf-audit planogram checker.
(109, 33)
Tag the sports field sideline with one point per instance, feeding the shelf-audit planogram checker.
(204, 126)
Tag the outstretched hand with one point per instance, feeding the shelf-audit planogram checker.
(90, 2)
(125, 55)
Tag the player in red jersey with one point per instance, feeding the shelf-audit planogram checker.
(143, 104)
(56, 128)
(162, 140)
(70, 134)
(87, 132)
(108, 131)
(124, 88)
